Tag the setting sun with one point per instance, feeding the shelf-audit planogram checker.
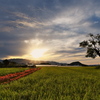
(38, 53)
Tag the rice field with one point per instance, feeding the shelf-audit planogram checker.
(55, 83)
(5, 71)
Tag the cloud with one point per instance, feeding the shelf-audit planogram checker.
(6, 29)
(76, 50)
(59, 25)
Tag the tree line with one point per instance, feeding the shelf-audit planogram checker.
(10, 64)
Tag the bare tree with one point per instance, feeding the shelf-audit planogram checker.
(92, 45)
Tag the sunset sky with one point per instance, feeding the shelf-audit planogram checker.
(48, 29)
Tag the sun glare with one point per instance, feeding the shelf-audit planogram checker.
(38, 53)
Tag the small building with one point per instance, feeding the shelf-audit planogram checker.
(31, 65)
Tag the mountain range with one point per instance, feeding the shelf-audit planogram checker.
(25, 61)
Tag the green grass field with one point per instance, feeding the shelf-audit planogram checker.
(5, 71)
(55, 83)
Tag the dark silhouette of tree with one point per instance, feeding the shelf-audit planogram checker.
(92, 45)
(6, 62)
(1, 64)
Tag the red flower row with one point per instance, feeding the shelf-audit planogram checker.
(10, 77)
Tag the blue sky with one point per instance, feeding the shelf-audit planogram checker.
(55, 26)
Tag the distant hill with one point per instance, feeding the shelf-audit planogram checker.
(20, 60)
(36, 62)
(25, 61)
(77, 63)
